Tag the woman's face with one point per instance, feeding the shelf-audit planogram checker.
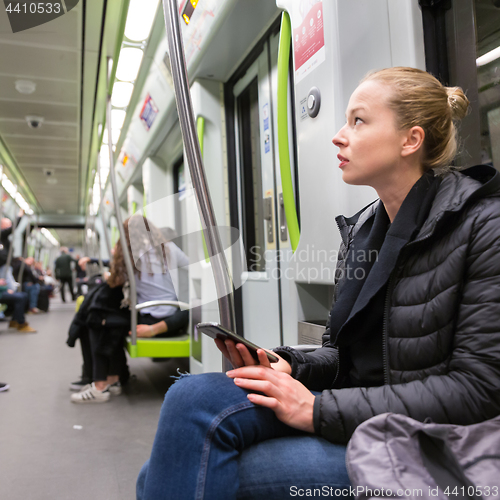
(370, 143)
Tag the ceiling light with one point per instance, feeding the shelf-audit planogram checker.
(140, 17)
(117, 118)
(115, 135)
(51, 180)
(49, 236)
(25, 86)
(122, 92)
(129, 64)
(488, 57)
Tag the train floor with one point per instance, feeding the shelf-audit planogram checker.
(52, 449)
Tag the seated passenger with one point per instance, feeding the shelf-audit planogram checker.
(30, 282)
(16, 301)
(153, 282)
(418, 334)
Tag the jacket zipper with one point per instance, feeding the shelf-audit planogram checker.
(385, 333)
(336, 286)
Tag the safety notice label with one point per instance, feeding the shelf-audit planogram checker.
(309, 40)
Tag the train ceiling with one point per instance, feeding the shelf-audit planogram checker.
(61, 58)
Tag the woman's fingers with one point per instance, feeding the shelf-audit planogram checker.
(247, 358)
(234, 354)
(265, 386)
(263, 359)
(222, 347)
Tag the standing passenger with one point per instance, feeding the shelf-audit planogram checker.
(64, 272)
(418, 335)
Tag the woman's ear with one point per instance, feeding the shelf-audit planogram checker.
(413, 140)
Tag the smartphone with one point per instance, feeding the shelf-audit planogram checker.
(216, 331)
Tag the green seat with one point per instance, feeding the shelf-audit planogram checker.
(170, 347)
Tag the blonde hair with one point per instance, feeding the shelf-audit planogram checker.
(419, 99)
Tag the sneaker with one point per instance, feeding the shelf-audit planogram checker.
(13, 324)
(25, 328)
(35, 310)
(91, 395)
(4, 387)
(79, 384)
(115, 389)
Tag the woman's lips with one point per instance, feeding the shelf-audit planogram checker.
(343, 161)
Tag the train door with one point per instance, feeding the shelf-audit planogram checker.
(257, 198)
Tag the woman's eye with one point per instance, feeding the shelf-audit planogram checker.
(357, 120)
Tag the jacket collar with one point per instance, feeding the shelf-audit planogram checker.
(457, 189)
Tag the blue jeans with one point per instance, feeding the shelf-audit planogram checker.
(17, 301)
(33, 290)
(212, 443)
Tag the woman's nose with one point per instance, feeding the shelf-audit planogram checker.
(339, 139)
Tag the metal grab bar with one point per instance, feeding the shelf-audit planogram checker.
(124, 243)
(223, 282)
(11, 243)
(24, 253)
(151, 303)
(101, 207)
(283, 145)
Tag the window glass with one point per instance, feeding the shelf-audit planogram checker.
(488, 73)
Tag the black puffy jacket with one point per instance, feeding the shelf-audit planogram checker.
(441, 321)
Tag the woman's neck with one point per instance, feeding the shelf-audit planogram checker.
(394, 193)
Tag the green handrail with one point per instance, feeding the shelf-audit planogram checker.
(200, 129)
(283, 145)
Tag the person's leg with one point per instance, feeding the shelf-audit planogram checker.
(100, 361)
(71, 288)
(88, 364)
(205, 422)
(117, 367)
(97, 393)
(20, 300)
(63, 281)
(291, 466)
(29, 290)
(33, 297)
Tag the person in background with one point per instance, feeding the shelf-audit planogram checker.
(16, 300)
(64, 272)
(80, 276)
(30, 281)
(156, 264)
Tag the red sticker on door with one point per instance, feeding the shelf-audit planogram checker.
(309, 40)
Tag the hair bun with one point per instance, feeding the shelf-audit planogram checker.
(458, 102)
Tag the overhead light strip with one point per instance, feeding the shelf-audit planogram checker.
(488, 57)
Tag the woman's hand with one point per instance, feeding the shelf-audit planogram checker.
(290, 400)
(239, 355)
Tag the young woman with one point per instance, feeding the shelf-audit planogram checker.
(419, 334)
(156, 270)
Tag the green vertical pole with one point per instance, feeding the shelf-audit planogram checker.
(200, 128)
(283, 145)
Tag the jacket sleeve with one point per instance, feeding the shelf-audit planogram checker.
(470, 391)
